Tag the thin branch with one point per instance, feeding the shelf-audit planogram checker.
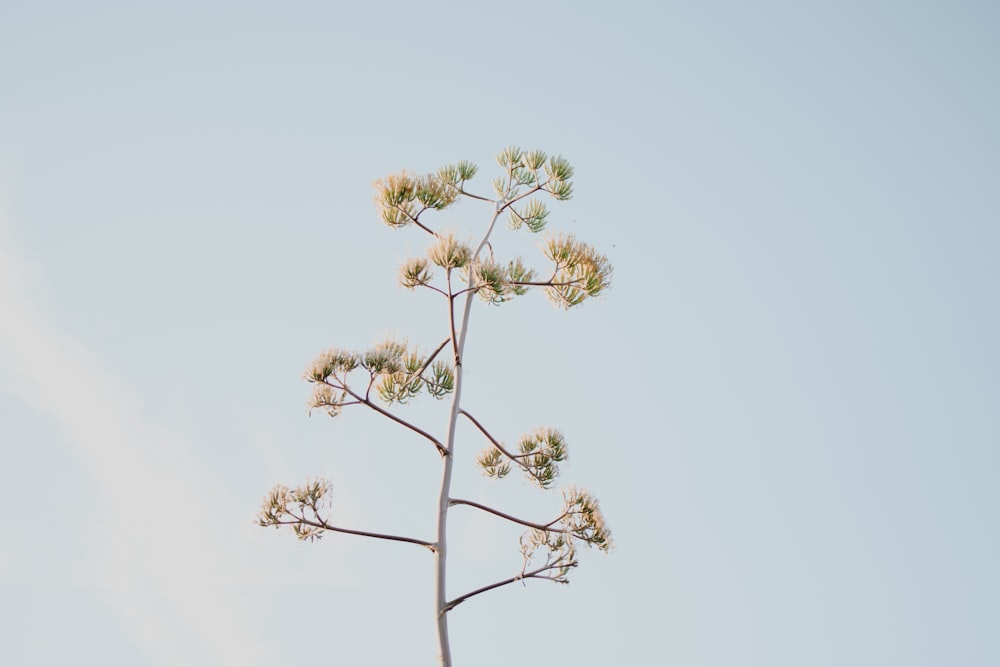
(526, 283)
(427, 363)
(399, 420)
(530, 524)
(364, 533)
(472, 196)
(545, 284)
(518, 198)
(519, 216)
(413, 218)
(436, 289)
(430, 359)
(476, 288)
(534, 574)
(496, 443)
(425, 228)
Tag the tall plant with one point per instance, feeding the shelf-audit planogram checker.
(392, 372)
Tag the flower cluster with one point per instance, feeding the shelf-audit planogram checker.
(580, 271)
(581, 521)
(584, 519)
(332, 363)
(298, 508)
(493, 463)
(449, 253)
(535, 170)
(401, 198)
(540, 451)
(491, 281)
(560, 552)
(396, 373)
(533, 215)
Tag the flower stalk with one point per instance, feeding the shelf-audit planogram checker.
(393, 372)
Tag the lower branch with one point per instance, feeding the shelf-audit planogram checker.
(534, 574)
(320, 523)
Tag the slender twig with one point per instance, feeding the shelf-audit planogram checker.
(425, 228)
(472, 196)
(320, 523)
(474, 288)
(534, 574)
(399, 420)
(548, 283)
(436, 289)
(526, 283)
(427, 363)
(413, 218)
(496, 443)
(435, 353)
(530, 524)
(518, 198)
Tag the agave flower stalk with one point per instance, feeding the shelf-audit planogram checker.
(392, 372)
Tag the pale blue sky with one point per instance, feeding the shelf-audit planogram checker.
(788, 402)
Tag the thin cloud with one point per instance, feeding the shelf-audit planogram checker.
(159, 555)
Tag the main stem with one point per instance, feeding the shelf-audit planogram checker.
(444, 497)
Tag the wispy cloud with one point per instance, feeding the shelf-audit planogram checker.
(159, 556)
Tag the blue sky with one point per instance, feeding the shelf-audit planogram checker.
(787, 403)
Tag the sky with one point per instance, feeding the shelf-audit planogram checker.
(787, 403)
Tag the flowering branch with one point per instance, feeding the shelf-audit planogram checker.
(504, 515)
(540, 452)
(399, 420)
(534, 574)
(482, 429)
(320, 523)
(282, 502)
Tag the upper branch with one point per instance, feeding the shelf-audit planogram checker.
(482, 429)
(473, 196)
(424, 227)
(513, 200)
(530, 524)
(434, 354)
(547, 283)
(399, 420)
